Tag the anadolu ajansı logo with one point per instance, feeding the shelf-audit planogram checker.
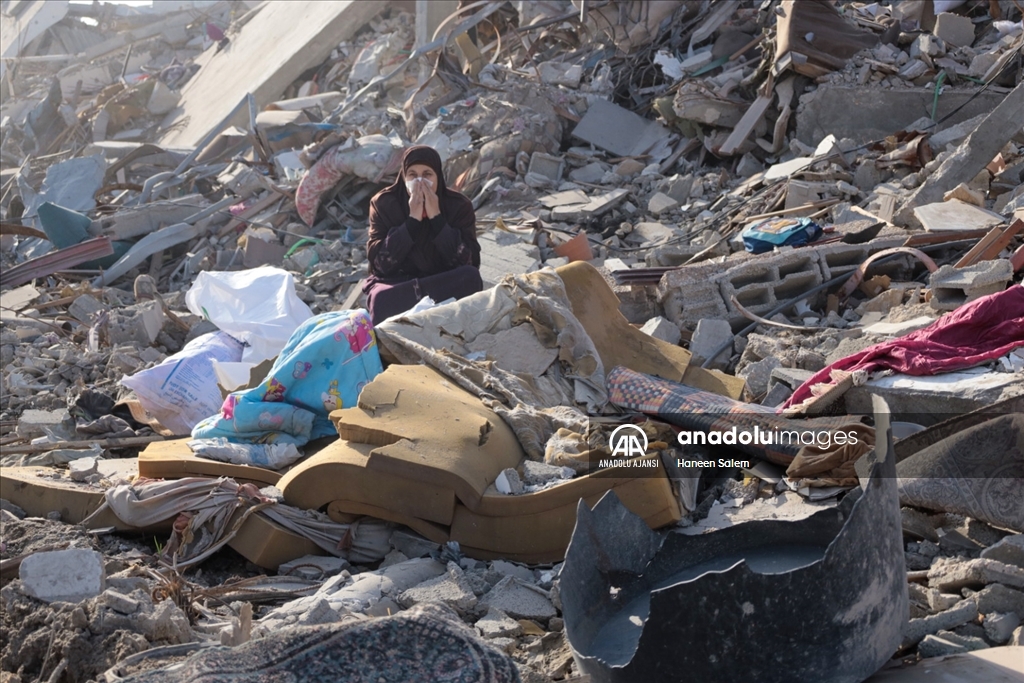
(628, 441)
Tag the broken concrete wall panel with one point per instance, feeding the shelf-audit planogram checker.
(818, 39)
(23, 22)
(864, 114)
(618, 130)
(266, 56)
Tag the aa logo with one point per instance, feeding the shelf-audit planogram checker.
(628, 441)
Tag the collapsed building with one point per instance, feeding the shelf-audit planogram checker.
(701, 222)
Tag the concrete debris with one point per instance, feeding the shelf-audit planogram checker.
(63, 575)
(144, 146)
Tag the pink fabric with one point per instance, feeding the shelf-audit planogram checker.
(980, 331)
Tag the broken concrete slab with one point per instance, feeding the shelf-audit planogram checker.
(497, 624)
(710, 335)
(663, 329)
(866, 114)
(69, 575)
(519, 600)
(955, 214)
(264, 58)
(973, 155)
(952, 287)
(954, 29)
(999, 598)
(498, 260)
(81, 469)
(1010, 551)
(660, 203)
(618, 130)
(963, 612)
(35, 423)
(954, 575)
(1000, 627)
(451, 589)
(595, 206)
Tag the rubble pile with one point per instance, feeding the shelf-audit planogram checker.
(694, 218)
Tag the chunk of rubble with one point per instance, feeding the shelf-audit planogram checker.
(451, 589)
(69, 575)
(519, 600)
(497, 624)
(954, 575)
(1009, 550)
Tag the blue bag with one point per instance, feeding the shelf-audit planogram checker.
(779, 232)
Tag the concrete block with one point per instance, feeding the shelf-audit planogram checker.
(1000, 627)
(511, 569)
(710, 334)
(1001, 599)
(497, 624)
(947, 643)
(119, 602)
(85, 308)
(662, 329)
(498, 260)
(33, 423)
(678, 187)
(761, 284)
(972, 573)
(450, 589)
(69, 575)
(929, 400)
(839, 259)
(591, 173)
(692, 293)
(1010, 550)
(865, 114)
(961, 613)
(954, 29)
(82, 468)
(789, 377)
(547, 165)
(757, 375)
(660, 203)
(629, 167)
(519, 600)
(953, 287)
(136, 325)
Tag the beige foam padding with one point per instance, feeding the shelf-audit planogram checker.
(544, 536)
(339, 472)
(429, 430)
(619, 343)
(173, 460)
(37, 492)
(345, 512)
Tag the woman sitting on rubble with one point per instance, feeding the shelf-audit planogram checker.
(422, 240)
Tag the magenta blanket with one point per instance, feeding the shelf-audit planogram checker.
(980, 331)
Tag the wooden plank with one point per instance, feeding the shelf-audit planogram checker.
(746, 125)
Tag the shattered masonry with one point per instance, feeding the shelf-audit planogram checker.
(709, 216)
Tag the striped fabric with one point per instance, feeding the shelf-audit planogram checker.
(695, 410)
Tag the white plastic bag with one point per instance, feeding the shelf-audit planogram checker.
(258, 307)
(273, 456)
(182, 390)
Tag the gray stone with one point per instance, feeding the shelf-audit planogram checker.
(999, 598)
(520, 600)
(497, 624)
(136, 325)
(662, 329)
(69, 575)
(1010, 550)
(757, 375)
(85, 308)
(34, 423)
(954, 287)
(710, 334)
(1017, 639)
(660, 203)
(82, 468)
(511, 569)
(450, 589)
(790, 377)
(976, 152)
(591, 173)
(940, 602)
(961, 613)
(948, 643)
(865, 114)
(956, 575)
(546, 165)
(954, 29)
(10, 507)
(1000, 627)
(119, 602)
(678, 187)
